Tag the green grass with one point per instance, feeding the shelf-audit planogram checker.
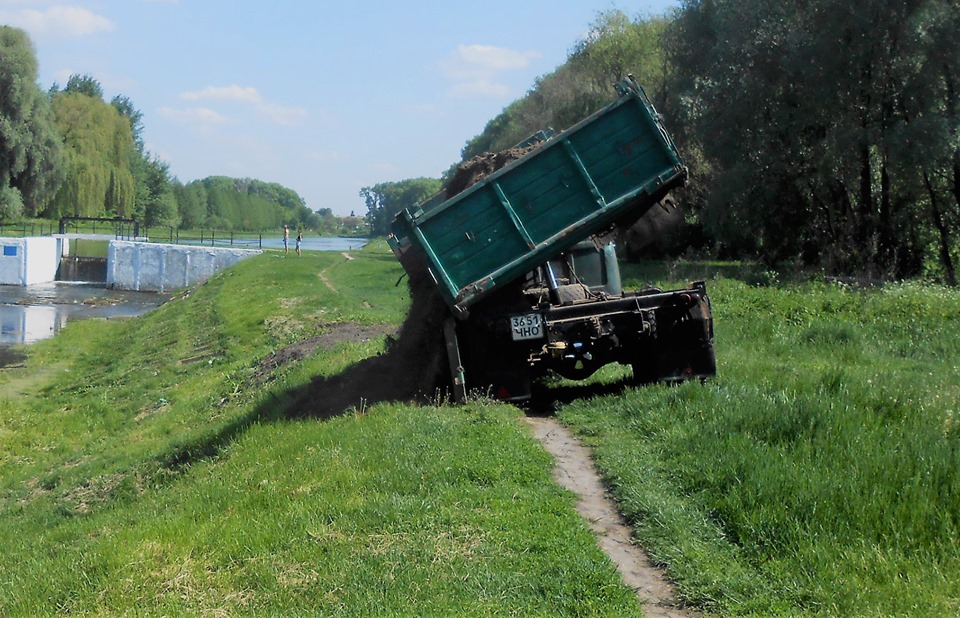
(146, 468)
(372, 514)
(145, 471)
(819, 474)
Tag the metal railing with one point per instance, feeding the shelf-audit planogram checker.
(130, 230)
(19, 230)
(125, 230)
(204, 237)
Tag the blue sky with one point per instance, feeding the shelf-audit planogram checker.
(323, 97)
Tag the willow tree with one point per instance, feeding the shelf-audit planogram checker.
(30, 151)
(99, 148)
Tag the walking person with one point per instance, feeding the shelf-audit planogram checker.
(299, 240)
(286, 239)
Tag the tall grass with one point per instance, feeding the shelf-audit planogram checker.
(820, 472)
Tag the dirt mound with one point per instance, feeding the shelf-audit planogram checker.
(653, 227)
(481, 166)
(412, 368)
(334, 334)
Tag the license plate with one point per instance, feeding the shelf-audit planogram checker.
(528, 326)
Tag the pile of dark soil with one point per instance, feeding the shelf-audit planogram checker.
(654, 228)
(334, 334)
(413, 368)
(481, 166)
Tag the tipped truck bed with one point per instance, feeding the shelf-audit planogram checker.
(613, 165)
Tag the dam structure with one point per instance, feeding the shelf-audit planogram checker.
(128, 265)
(155, 267)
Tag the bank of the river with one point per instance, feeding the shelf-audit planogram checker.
(35, 312)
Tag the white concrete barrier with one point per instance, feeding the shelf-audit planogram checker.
(25, 261)
(153, 267)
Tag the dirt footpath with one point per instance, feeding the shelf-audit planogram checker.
(574, 471)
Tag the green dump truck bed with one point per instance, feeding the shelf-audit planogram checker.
(612, 165)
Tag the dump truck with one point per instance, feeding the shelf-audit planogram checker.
(524, 261)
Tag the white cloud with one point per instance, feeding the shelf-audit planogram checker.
(325, 156)
(486, 58)
(58, 20)
(476, 69)
(282, 115)
(194, 115)
(273, 112)
(240, 94)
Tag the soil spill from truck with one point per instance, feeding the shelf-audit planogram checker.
(411, 368)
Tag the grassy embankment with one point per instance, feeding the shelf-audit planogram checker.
(158, 467)
(147, 467)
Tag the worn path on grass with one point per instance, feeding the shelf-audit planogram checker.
(574, 471)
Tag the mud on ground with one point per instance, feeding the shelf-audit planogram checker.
(334, 334)
(11, 358)
(412, 368)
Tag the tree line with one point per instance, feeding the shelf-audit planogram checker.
(823, 133)
(68, 152)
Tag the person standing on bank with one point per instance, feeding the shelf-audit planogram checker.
(299, 241)
(286, 239)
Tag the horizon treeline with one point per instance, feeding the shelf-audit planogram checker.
(68, 152)
(822, 134)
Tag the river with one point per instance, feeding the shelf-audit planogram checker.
(310, 243)
(34, 312)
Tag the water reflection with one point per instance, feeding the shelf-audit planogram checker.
(29, 324)
(34, 312)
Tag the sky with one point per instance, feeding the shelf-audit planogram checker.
(324, 97)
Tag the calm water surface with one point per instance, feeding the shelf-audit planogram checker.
(34, 312)
(310, 243)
